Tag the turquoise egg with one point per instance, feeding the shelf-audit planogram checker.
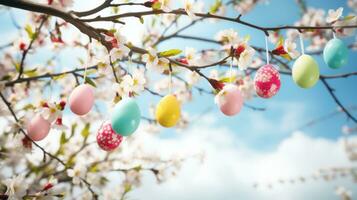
(126, 117)
(335, 53)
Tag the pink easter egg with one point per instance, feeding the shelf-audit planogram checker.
(38, 128)
(107, 139)
(229, 100)
(81, 99)
(267, 81)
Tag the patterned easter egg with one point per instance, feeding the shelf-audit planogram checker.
(107, 139)
(81, 99)
(335, 53)
(267, 81)
(168, 111)
(229, 100)
(38, 128)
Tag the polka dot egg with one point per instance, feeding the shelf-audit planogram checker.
(267, 81)
(107, 139)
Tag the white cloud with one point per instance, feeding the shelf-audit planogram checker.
(231, 169)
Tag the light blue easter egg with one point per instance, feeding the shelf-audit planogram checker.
(335, 53)
(126, 117)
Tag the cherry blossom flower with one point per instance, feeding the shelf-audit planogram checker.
(16, 187)
(153, 62)
(165, 5)
(245, 58)
(213, 74)
(103, 66)
(349, 20)
(246, 86)
(189, 8)
(244, 6)
(134, 83)
(227, 37)
(220, 98)
(118, 52)
(192, 78)
(77, 173)
(290, 48)
(190, 55)
(344, 193)
(334, 15)
(50, 111)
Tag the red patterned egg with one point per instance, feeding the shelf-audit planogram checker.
(267, 81)
(107, 138)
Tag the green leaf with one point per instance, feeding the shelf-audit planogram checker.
(29, 107)
(31, 72)
(93, 168)
(63, 139)
(141, 20)
(29, 31)
(115, 9)
(227, 79)
(85, 130)
(137, 168)
(156, 6)
(73, 128)
(59, 77)
(17, 66)
(349, 17)
(90, 82)
(169, 53)
(127, 188)
(214, 8)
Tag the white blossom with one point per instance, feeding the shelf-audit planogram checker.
(189, 8)
(334, 15)
(290, 48)
(15, 187)
(77, 173)
(227, 37)
(165, 5)
(245, 58)
(153, 62)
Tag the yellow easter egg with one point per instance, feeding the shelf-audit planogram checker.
(168, 111)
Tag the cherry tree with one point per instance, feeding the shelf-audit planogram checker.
(78, 160)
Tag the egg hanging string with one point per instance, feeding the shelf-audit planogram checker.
(130, 70)
(87, 62)
(267, 49)
(231, 66)
(170, 78)
(333, 34)
(301, 44)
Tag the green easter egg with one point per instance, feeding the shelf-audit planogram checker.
(305, 71)
(126, 117)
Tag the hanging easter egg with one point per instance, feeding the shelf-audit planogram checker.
(81, 99)
(305, 71)
(126, 117)
(335, 53)
(107, 139)
(267, 81)
(168, 111)
(38, 128)
(229, 100)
